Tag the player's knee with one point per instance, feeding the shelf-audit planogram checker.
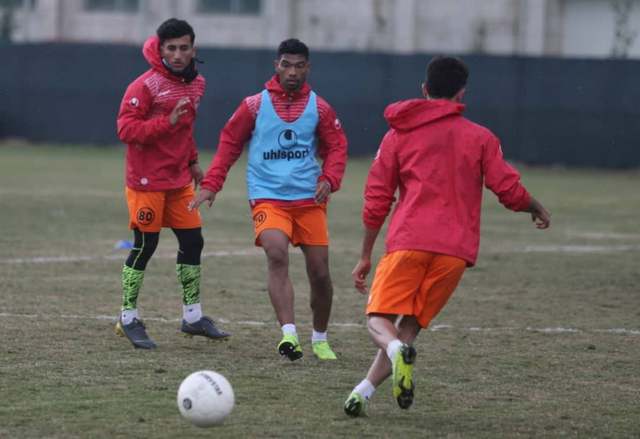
(277, 257)
(191, 244)
(145, 244)
(318, 271)
(149, 243)
(320, 278)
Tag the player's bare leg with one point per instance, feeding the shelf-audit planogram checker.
(407, 330)
(317, 263)
(382, 329)
(385, 333)
(276, 247)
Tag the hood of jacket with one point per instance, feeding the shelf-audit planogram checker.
(151, 52)
(273, 85)
(412, 113)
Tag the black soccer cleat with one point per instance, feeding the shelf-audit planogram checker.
(289, 347)
(405, 399)
(204, 327)
(136, 333)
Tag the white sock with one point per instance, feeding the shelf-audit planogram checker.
(127, 315)
(192, 313)
(365, 388)
(318, 336)
(289, 329)
(392, 348)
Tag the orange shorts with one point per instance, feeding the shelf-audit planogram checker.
(151, 211)
(414, 283)
(305, 225)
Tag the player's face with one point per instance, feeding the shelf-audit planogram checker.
(292, 71)
(178, 52)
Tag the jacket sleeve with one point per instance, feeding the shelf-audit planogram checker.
(382, 182)
(235, 134)
(133, 125)
(502, 179)
(332, 146)
(193, 154)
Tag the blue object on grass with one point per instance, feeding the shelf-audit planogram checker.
(123, 244)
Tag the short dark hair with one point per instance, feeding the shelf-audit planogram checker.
(446, 76)
(174, 28)
(293, 46)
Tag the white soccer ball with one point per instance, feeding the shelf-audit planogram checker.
(205, 398)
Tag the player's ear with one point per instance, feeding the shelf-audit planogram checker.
(460, 95)
(276, 63)
(425, 92)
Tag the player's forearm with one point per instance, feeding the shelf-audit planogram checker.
(223, 160)
(368, 242)
(143, 132)
(333, 170)
(332, 148)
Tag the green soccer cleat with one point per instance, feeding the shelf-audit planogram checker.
(323, 351)
(289, 347)
(403, 376)
(355, 405)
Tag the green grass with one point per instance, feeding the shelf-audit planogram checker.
(488, 371)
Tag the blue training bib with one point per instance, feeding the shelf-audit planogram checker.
(282, 156)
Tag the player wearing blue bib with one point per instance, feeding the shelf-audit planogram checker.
(287, 127)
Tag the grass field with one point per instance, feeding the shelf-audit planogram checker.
(541, 339)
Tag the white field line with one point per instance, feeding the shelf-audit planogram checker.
(582, 249)
(605, 235)
(48, 193)
(434, 328)
(122, 256)
(254, 251)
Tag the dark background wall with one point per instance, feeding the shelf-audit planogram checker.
(546, 111)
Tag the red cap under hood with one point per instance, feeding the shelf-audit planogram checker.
(412, 113)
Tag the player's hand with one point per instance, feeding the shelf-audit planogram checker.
(196, 174)
(204, 195)
(539, 215)
(181, 108)
(359, 275)
(323, 190)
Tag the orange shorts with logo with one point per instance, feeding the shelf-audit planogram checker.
(414, 283)
(151, 211)
(306, 225)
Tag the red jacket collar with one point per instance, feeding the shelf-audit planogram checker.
(273, 86)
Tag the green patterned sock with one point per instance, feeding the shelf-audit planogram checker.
(131, 283)
(189, 277)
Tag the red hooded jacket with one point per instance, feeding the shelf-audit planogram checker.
(332, 142)
(158, 154)
(439, 161)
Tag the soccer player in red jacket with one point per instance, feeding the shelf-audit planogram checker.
(286, 126)
(156, 121)
(438, 161)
